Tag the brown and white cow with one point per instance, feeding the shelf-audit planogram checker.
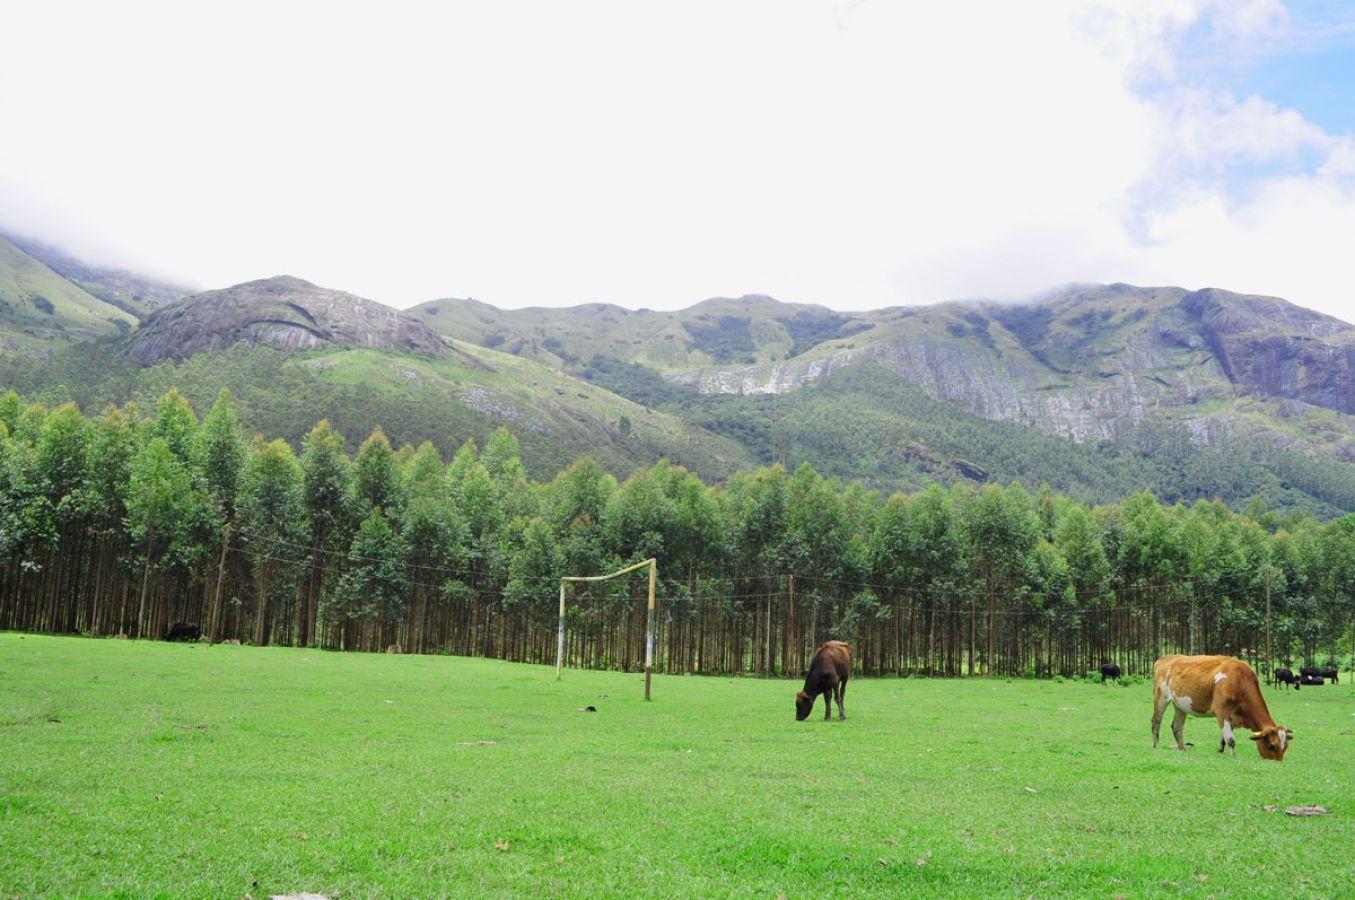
(1218, 686)
(828, 673)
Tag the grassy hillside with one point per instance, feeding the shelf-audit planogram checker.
(39, 309)
(143, 768)
(467, 394)
(129, 291)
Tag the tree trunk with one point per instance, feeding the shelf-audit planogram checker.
(145, 583)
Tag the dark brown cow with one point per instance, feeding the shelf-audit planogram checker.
(1217, 686)
(828, 673)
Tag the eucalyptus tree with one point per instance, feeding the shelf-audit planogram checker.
(376, 475)
(1002, 530)
(176, 424)
(436, 545)
(221, 452)
(331, 506)
(113, 445)
(271, 510)
(374, 590)
(161, 510)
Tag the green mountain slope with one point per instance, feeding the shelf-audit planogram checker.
(129, 291)
(40, 310)
(466, 394)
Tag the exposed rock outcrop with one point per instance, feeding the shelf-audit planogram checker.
(286, 312)
(1271, 348)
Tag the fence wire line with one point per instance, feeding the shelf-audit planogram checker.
(1054, 612)
(908, 593)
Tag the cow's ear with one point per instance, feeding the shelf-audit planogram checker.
(1289, 733)
(1258, 735)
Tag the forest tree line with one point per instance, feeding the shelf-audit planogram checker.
(126, 522)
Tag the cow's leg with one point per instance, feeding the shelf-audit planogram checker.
(1226, 737)
(1179, 729)
(828, 705)
(841, 692)
(1159, 705)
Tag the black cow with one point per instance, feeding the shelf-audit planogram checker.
(184, 631)
(1322, 672)
(1311, 680)
(1286, 677)
(828, 673)
(1109, 670)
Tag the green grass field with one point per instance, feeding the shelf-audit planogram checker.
(141, 768)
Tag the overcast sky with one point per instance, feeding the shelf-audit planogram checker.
(856, 154)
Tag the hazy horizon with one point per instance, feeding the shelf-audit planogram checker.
(852, 154)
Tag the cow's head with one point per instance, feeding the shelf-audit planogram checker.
(1273, 742)
(804, 705)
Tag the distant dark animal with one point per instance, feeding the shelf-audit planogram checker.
(1322, 672)
(184, 631)
(1217, 686)
(828, 673)
(1311, 680)
(1109, 670)
(1286, 677)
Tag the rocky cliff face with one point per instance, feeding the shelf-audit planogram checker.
(1089, 361)
(1270, 348)
(286, 312)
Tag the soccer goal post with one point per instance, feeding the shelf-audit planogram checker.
(649, 621)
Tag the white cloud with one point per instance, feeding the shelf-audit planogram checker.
(856, 154)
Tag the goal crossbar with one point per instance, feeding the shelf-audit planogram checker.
(649, 621)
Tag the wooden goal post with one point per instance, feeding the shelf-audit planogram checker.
(649, 621)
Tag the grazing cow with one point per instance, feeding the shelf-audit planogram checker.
(1286, 677)
(1217, 686)
(1331, 672)
(1310, 681)
(183, 631)
(1109, 670)
(828, 673)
